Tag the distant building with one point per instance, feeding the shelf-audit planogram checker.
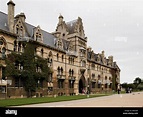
(75, 66)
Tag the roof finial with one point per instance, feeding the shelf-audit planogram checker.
(60, 19)
(60, 16)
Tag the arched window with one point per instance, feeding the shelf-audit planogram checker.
(72, 72)
(69, 60)
(73, 60)
(23, 46)
(2, 47)
(3, 53)
(106, 83)
(99, 81)
(50, 61)
(57, 57)
(15, 46)
(37, 37)
(19, 47)
(61, 71)
(58, 70)
(110, 82)
(50, 77)
(93, 66)
(93, 76)
(42, 52)
(38, 34)
(19, 29)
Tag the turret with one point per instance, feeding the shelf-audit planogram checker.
(110, 62)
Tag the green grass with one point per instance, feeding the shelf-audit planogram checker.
(27, 101)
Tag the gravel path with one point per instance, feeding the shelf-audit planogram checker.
(134, 99)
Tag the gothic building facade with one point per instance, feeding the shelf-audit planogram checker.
(75, 66)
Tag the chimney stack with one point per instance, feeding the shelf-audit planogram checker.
(11, 15)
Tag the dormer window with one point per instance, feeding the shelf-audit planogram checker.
(70, 47)
(38, 35)
(21, 31)
(19, 28)
(59, 43)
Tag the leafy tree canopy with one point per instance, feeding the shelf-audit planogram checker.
(29, 62)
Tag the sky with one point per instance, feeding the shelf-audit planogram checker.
(115, 26)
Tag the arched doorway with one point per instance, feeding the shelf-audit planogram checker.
(81, 84)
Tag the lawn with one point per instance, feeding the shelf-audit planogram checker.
(26, 101)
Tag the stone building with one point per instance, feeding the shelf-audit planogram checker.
(75, 65)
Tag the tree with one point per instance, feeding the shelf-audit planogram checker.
(131, 85)
(114, 77)
(30, 62)
(124, 85)
(140, 86)
(137, 81)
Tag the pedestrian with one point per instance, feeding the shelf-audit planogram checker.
(83, 91)
(118, 89)
(130, 90)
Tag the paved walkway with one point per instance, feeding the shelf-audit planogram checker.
(134, 99)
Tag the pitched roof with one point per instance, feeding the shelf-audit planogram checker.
(3, 21)
(48, 38)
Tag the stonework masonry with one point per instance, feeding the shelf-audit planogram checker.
(76, 67)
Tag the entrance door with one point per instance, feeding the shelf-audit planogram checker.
(80, 86)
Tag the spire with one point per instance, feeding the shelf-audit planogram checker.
(61, 19)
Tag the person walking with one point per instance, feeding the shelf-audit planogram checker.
(118, 88)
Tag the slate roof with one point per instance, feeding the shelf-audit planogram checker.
(48, 38)
(3, 21)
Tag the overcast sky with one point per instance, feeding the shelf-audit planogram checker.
(115, 26)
